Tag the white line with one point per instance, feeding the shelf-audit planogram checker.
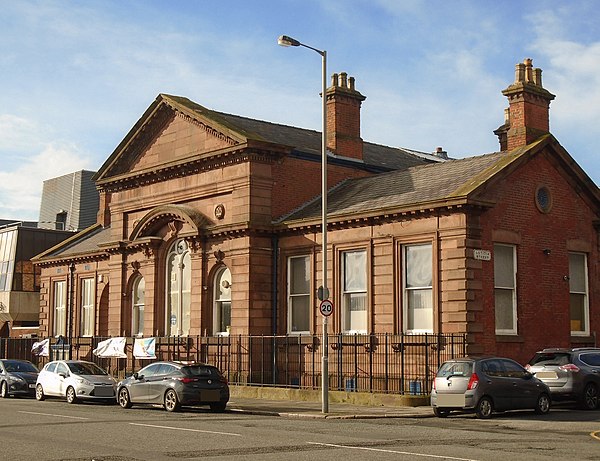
(391, 451)
(184, 429)
(53, 415)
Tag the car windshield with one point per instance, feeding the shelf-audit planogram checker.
(200, 370)
(550, 359)
(455, 369)
(82, 368)
(13, 366)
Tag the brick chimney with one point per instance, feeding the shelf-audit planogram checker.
(526, 118)
(343, 117)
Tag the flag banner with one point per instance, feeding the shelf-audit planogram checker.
(112, 347)
(143, 348)
(41, 348)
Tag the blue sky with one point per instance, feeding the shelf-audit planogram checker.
(76, 75)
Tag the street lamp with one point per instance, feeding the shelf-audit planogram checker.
(284, 40)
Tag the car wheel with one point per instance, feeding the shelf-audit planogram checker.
(440, 413)
(124, 399)
(543, 404)
(4, 390)
(71, 395)
(589, 399)
(39, 393)
(171, 401)
(485, 408)
(218, 407)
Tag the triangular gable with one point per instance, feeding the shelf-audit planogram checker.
(170, 130)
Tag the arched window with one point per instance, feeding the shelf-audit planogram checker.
(222, 302)
(137, 310)
(179, 282)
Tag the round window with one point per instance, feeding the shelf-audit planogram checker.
(543, 199)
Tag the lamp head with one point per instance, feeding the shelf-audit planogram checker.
(284, 40)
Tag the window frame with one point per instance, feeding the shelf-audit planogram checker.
(514, 330)
(62, 292)
(218, 301)
(346, 294)
(406, 290)
(87, 308)
(137, 308)
(586, 295)
(292, 296)
(178, 289)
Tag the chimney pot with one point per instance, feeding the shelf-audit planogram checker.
(334, 80)
(537, 76)
(344, 80)
(351, 83)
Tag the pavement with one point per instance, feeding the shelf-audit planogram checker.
(340, 405)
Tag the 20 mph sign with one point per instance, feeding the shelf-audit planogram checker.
(326, 308)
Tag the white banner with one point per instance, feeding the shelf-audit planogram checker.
(143, 348)
(41, 348)
(112, 347)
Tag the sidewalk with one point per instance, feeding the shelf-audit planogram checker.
(286, 403)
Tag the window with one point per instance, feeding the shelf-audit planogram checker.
(354, 292)
(578, 291)
(222, 303)
(7, 260)
(61, 220)
(179, 280)
(299, 294)
(137, 314)
(505, 292)
(418, 288)
(60, 308)
(87, 307)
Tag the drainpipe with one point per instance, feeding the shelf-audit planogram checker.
(274, 268)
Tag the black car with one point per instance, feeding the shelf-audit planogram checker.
(17, 377)
(174, 384)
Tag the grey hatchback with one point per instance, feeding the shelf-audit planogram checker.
(484, 385)
(571, 374)
(174, 384)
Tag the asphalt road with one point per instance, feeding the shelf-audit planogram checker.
(55, 430)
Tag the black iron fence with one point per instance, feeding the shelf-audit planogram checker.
(384, 363)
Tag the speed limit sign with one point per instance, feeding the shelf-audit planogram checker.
(326, 308)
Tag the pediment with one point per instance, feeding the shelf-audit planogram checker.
(171, 130)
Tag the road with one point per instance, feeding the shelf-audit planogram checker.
(55, 430)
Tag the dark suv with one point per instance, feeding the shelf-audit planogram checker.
(571, 374)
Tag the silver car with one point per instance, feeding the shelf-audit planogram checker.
(485, 385)
(571, 374)
(75, 380)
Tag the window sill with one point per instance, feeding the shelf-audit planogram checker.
(510, 338)
(582, 339)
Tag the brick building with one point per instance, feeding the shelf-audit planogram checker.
(209, 224)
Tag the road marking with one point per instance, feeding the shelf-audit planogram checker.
(51, 414)
(595, 434)
(392, 451)
(184, 429)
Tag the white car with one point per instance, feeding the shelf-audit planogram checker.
(75, 380)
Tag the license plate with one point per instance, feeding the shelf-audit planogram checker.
(546, 375)
(32, 386)
(450, 400)
(101, 391)
(211, 395)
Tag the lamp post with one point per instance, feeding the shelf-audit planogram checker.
(284, 40)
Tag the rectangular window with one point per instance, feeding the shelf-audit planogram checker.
(299, 311)
(505, 289)
(87, 307)
(578, 292)
(418, 288)
(60, 308)
(354, 292)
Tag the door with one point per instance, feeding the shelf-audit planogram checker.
(158, 383)
(139, 389)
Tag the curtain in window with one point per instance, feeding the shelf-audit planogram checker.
(299, 294)
(222, 304)
(418, 290)
(354, 296)
(138, 300)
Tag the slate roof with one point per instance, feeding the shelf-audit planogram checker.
(82, 243)
(306, 140)
(404, 188)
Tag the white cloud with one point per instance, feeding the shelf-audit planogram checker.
(20, 189)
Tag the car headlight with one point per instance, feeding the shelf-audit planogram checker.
(17, 379)
(83, 381)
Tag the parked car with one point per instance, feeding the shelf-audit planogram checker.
(174, 384)
(75, 380)
(571, 374)
(17, 377)
(485, 385)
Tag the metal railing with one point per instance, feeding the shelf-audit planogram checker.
(381, 363)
